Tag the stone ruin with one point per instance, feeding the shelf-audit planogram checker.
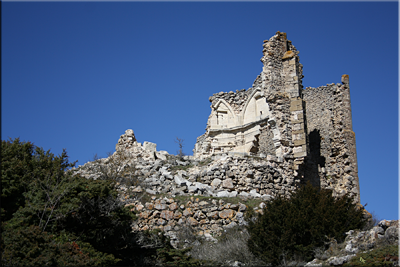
(309, 131)
(259, 143)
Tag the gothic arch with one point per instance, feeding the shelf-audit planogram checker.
(257, 111)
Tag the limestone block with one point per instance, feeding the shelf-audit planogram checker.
(192, 221)
(227, 213)
(203, 203)
(345, 79)
(181, 163)
(160, 206)
(145, 214)
(161, 156)
(161, 222)
(187, 212)
(216, 182)
(177, 215)
(137, 189)
(298, 126)
(230, 174)
(204, 221)
(267, 197)
(149, 205)
(300, 141)
(296, 104)
(150, 147)
(254, 193)
(139, 207)
(233, 194)
(288, 54)
(181, 181)
(212, 214)
(392, 234)
(173, 206)
(234, 206)
(228, 183)
(223, 194)
(167, 215)
(151, 192)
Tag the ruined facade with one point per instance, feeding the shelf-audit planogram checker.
(308, 131)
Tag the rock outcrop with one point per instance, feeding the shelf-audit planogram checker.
(357, 241)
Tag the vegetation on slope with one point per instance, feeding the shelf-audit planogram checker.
(292, 228)
(52, 217)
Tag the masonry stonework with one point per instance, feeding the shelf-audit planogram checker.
(309, 130)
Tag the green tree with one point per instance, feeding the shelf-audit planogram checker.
(291, 228)
(16, 171)
(42, 202)
(31, 246)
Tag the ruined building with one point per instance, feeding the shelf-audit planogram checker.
(308, 131)
(259, 143)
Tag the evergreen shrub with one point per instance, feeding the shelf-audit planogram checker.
(291, 228)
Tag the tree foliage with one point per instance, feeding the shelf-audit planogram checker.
(292, 228)
(46, 210)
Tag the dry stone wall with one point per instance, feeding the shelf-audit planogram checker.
(207, 217)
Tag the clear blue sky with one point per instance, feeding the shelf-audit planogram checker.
(76, 75)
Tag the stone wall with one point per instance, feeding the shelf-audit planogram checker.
(332, 162)
(207, 217)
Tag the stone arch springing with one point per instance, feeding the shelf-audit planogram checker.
(260, 109)
(223, 117)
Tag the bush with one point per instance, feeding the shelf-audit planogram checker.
(231, 247)
(31, 247)
(290, 229)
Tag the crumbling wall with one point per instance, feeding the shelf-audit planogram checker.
(332, 162)
(266, 119)
(309, 130)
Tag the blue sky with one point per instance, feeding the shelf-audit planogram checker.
(76, 75)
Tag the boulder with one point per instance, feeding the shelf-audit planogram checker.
(227, 183)
(150, 147)
(223, 194)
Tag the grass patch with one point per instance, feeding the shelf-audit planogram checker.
(250, 203)
(205, 162)
(383, 256)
